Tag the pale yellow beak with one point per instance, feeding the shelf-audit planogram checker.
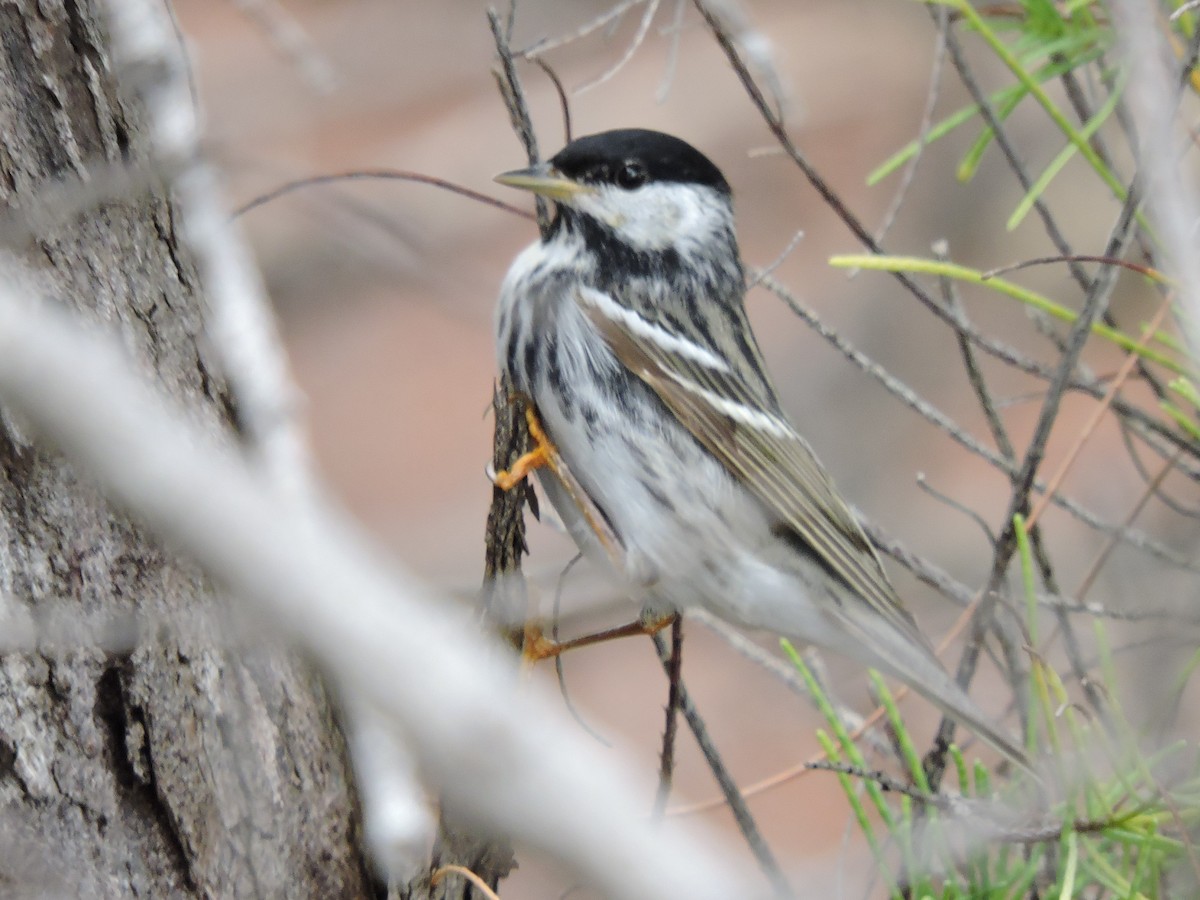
(545, 180)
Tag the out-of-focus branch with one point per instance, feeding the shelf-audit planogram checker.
(265, 401)
(241, 324)
(497, 755)
(500, 755)
(1173, 199)
(290, 39)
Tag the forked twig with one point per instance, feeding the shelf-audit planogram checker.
(611, 15)
(638, 38)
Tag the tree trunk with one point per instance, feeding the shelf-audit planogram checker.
(170, 763)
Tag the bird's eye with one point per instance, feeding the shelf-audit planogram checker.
(631, 175)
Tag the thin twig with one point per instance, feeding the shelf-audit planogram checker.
(455, 869)
(975, 377)
(988, 114)
(286, 34)
(376, 175)
(759, 274)
(1131, 536)
(1085, 585)
(1085, 111)
(882, 780)
(548, 44)
(942, 17)
(1146, 271)
(1100, 410)
(957, 506)
(897, 388)
(774, 120)
(513, 94)
(737, 804)
(1127, 435)
(1063, 626)
(921, 568)
(666, 769)
(675, 32)
(1141, 613)
(564, 102)
(559, 672)
(638, 37)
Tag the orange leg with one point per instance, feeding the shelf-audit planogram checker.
(543, 454)
(538, 646)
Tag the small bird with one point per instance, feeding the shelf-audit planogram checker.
(626, 328)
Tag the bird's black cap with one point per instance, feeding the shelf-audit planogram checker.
(599, 158)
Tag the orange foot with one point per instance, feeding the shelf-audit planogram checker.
(544, 453)
(538, 646)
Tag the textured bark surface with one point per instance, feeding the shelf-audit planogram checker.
(181, 765)
(489, 856)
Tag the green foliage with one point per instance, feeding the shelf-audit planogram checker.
(1078, 834)
(1174, 359)
(1100, 819)
(1045, 42)
(1185, 419)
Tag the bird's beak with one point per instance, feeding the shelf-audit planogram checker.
(546, 180)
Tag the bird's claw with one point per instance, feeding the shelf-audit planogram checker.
(543, 454)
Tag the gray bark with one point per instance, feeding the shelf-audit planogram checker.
(176, 764)
(490, 856)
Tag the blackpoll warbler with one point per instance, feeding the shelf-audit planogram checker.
(626, 328)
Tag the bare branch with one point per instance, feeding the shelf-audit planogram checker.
(666, 769)
(242, 326)
(737, 803)
(1133, 537)
(376, 175)
(942, 17)
(375, 628)
(287, 35)
(640, 36)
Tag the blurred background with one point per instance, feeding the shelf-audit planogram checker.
(385, 292)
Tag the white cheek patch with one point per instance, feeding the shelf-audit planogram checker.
(658, 216)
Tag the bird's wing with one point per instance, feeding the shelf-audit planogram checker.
(731, 409)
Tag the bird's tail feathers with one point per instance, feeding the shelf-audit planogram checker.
(914, 664)
(943, 692)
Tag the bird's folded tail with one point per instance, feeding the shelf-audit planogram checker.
(942, 691)
(909, 658)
